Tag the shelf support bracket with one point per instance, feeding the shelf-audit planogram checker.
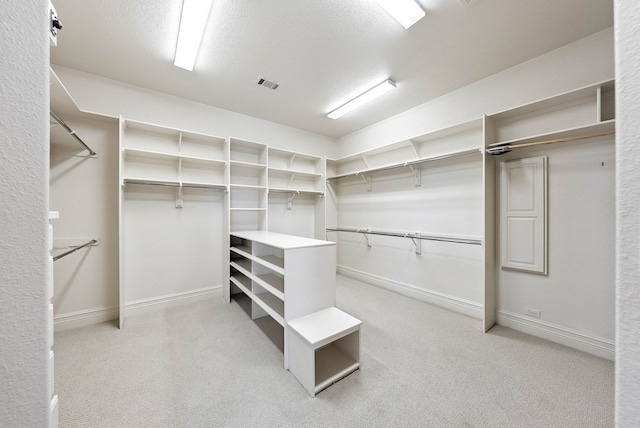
(291, 160)
(366, 236)
(413, 147)
(290, 200)
(417, 242)
(293, 176)
(179, 201)
(417, 175)
(366, 180)
(364, 159)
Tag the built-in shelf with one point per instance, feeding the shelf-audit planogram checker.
(290, 275)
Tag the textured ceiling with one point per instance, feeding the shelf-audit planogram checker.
(322, 53)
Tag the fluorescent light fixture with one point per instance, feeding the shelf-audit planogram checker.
(192, 23)
(372, 93)
(406, 12)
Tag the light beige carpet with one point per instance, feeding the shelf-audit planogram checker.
(209, 365)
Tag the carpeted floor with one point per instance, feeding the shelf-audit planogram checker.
(208, 365)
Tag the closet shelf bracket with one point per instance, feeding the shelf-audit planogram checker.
(366, 179)
(416, 242)
(416, 174)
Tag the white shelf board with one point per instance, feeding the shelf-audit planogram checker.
(243, 266)
(243, 282)
(332, 365)
(295, 191)
(605, 126)
(273, 263)
(282, 172)
(272, 283)
(151, 154)
(247, 186)
(324, 326)
(247, 164)
(279, 240)
(272, 305)
(247, 209)
(243, 250)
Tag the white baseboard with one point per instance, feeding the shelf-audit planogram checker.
(94, 316)
(593, 345)
(84, 318)
(154, 303)
(451, 303)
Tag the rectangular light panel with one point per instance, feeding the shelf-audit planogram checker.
(194, 18)
(371, 94)
(406, 12)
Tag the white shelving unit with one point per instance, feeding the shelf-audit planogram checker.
(285, 276)
(157, 155)
(154, 155)
(247, 185)
(296, 173)
(575, 114)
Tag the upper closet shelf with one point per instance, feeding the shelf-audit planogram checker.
(584, 113)
(409, 163)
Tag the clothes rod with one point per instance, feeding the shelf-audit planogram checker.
(409, 163)
(408, 235)
(73, 250)
(169, 184)
(71, 132)
(499, 150)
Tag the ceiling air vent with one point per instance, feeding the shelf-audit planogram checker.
(468, 2)
(267, 83)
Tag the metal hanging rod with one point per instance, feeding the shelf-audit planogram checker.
(411, 235)
(71, 132)
(502, 149)
(171, 184)
(409, 163)
(296, 192)
(73, 250)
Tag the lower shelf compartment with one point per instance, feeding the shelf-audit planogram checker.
(332, 364)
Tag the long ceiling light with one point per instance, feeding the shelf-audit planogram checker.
(372, 93)
(192, 23)
(406, 12)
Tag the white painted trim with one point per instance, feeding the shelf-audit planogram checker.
(598, 346)
(455, 304)
(154, 303)
(94, 316)
(84, 318)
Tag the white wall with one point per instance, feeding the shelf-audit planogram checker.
(83, 189)
(24, 62)
(627, 16)
(578, 64)
(577, 295)
(106, 97)
(581, 204)
(158, 237)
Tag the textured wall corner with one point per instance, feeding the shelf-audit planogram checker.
(24, 90)
(627, 33)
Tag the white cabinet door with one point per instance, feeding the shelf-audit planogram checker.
(523, 208)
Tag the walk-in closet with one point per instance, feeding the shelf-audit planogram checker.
(323, 214)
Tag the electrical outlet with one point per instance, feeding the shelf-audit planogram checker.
(532, 312)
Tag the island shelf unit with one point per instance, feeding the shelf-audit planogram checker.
(285, 276)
